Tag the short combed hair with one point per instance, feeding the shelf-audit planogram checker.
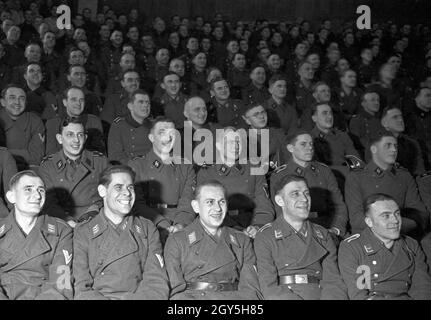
(286, 180)
(318, 84)
(11, 85)
(68, 120)
(373, 198)
(291, 138)
(69, 70)
(275, 78)
(387, 109)
(31, 64)
(171, 73)
(136, 92)
(123, 74)
(215, 80)
(17, 176)
(379, 135)
(160, 119)
(315, 105)
(66, 91)
(105, 177)
(209, 183)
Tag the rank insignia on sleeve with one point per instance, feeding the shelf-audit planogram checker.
(192, 237)
(41, 137)
(2, 229)
(368, 249)
(96, 229)
(67, 256)
(160, 258)
(138, 229)
(233, 240)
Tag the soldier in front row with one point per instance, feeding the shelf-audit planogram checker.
(297, 259)
(379, 263)
(118, 255)
(36, 249)
(206, 260)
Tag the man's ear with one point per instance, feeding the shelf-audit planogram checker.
(10, 196)
(195, 206)
(64, 102)
(279, 200)
(289, 148)
(368, 221)
(101, 189)
(3, 102)
(246, 120)
(373, 149)
(163, 86)
(59, 138)
(68, 78)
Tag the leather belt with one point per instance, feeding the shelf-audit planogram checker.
(212, 286)
(298, 279)
(161, 205)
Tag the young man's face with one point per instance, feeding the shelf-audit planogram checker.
(279, 89)
(256, 117)
(74, 103)
(28, 195)
(130, 82)
(393, 121)
(77, 76)
(323, 117)
(385, 151)
(221, 90)
(33, 74)
(171, 83)
(302, 149)
(211, 205)
(177, 66)
(384, 219)
(258, 76)
(141, 106)
(295, 201)
(72, 139)
(119, 196)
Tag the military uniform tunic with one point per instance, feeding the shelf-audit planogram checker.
(396, 182)
(125, 262)
(399, 273)
(281, 115)
(165, 187)
(7, 170)
(72, 186)
(281, 251)
(192, 255)
(36, 266)
(25, 138)
(128, 139)
(327, 200)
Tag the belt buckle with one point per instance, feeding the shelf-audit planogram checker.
(301, 278)
(162, 205)
(214, 287)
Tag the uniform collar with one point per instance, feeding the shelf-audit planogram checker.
(130, 120)
(224, 170)
(377, 171)
(366, 114)
(370, 243)
(320, 134)
(60, 161)
(45, 223)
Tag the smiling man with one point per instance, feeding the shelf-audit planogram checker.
(71, 175)
(36, 250)
(383, 174)
(209, 261)
(118, 255)
(296, 259)
(74, 102)
(128, 135)
(379, 263)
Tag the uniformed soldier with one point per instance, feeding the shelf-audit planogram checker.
(118, 255)
(366, 123)
(207, 260)
(256, 91)
(128, 136)
(383, 174)
(418, 123)
(366, 70)
(36, 249)
(281, 114)
(331, 145)
(127, 62)
(25, 132)
(348, 95)
(247, 191)
(238, 75)
(222, 109)
(172, 102)
(197, 125)
(71, 175)
(389, 95)
(379, 263)
(328, 206)
(303, 92)
(163, 181)
(255, 115)
(74, 104)
(296, 259)
(116, 104)
(7, 170)
(409, 151)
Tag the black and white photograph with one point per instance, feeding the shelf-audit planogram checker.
(222, 152)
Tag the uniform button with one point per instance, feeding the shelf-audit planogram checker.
(133, 138)
(375, 283)
(407, 284)
(197, 252)
(202, 293)
(290, 287)
(61, 180)
(317, 272)
(374, 262)
(376, 275)
(200, 267)
(103, 273)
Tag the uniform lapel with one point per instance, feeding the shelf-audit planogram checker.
(400, 261)
(83, 169)
(31, 247)
(314, 250)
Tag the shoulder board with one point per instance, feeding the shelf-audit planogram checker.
(266, 226)
(426, 174)
(322, 164)
(280, 168)
(98, 154)
(118, 119)
(354, 116)
(352, 237)
(46, 158)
